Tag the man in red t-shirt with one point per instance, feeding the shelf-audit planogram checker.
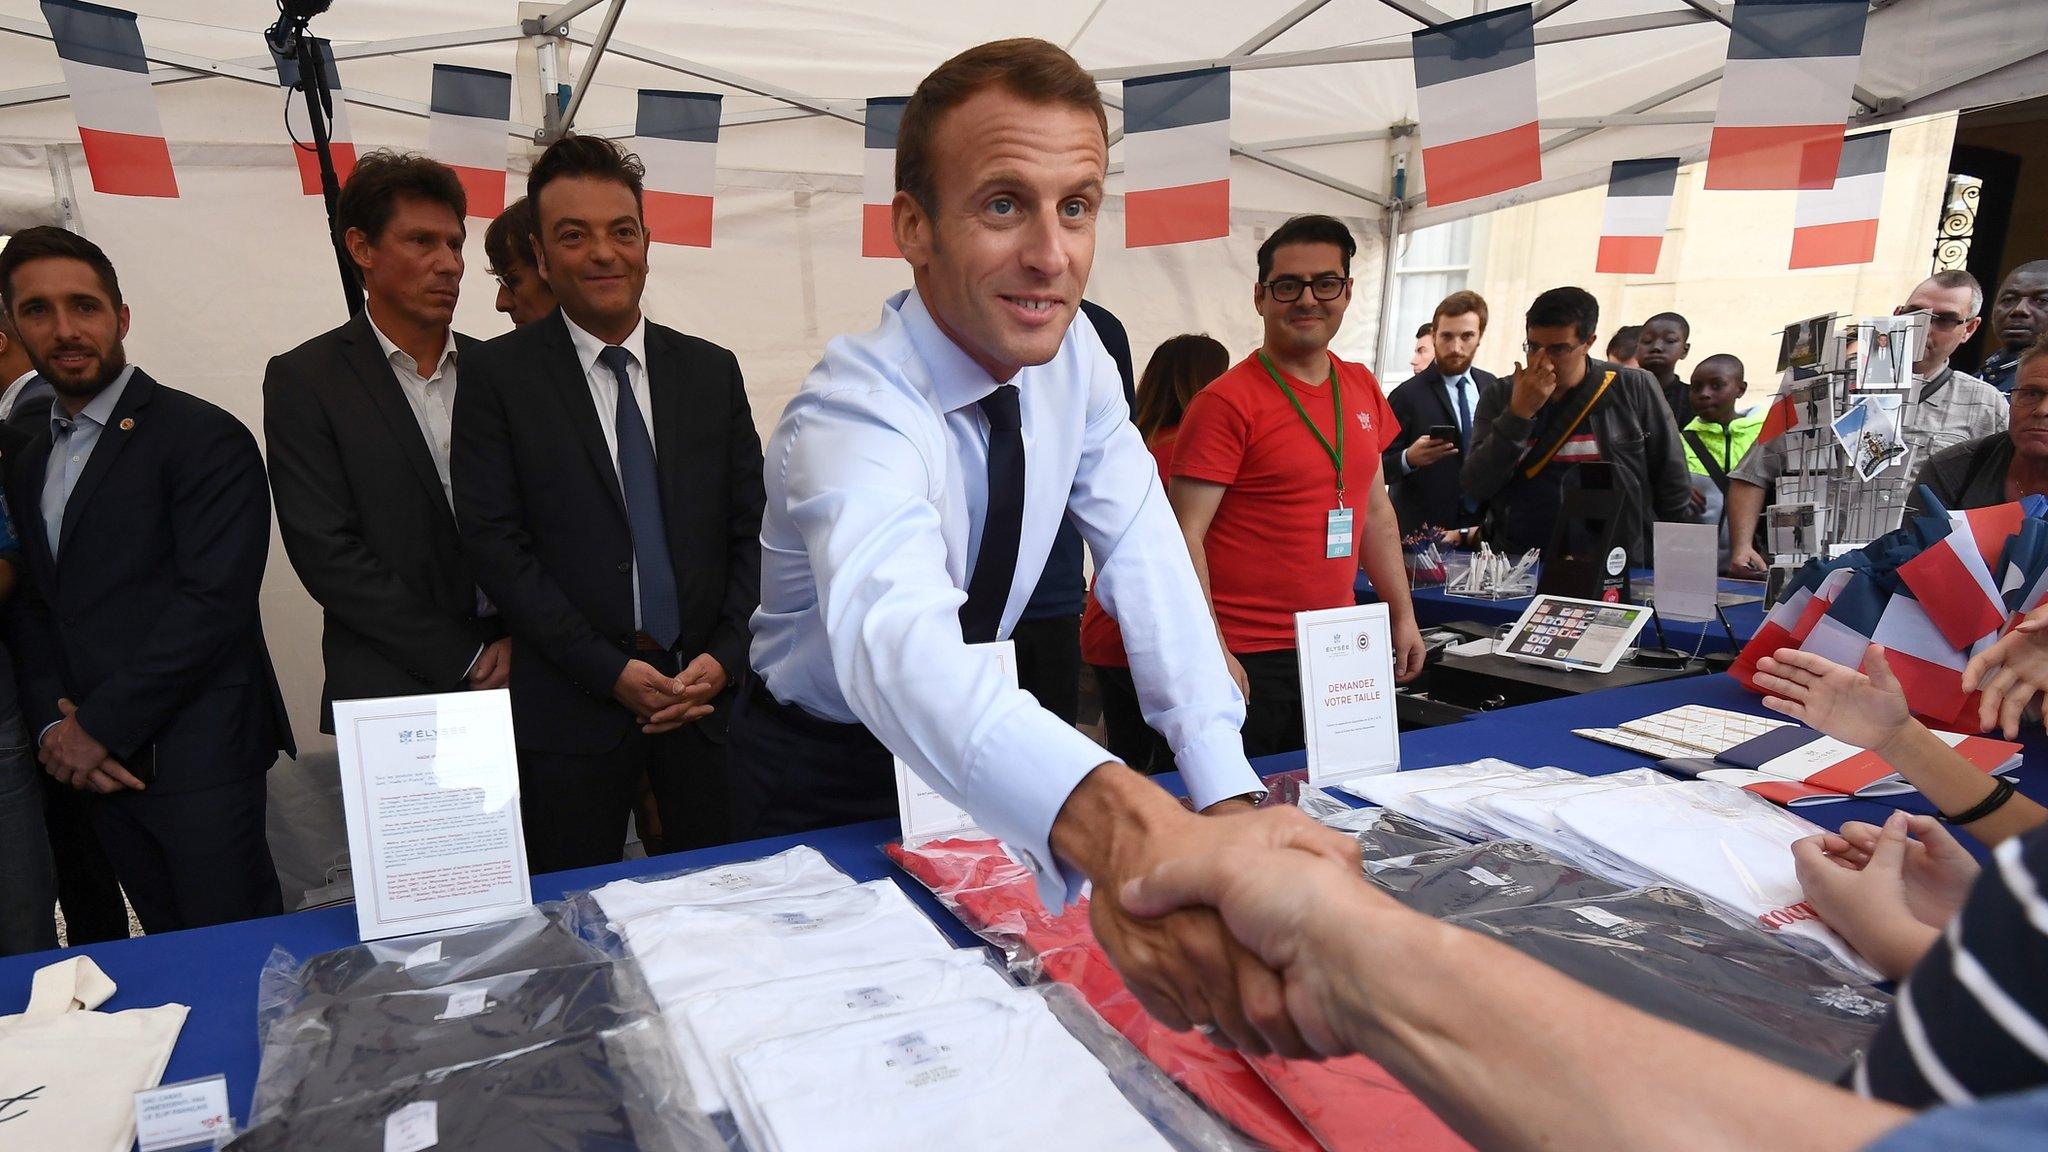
(1277, 485)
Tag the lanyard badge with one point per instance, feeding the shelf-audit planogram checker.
(1337, 525)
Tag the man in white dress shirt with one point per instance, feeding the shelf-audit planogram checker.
(914, 488)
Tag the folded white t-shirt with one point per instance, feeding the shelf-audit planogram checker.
(1000, 1073)
(1399, 790)
(713, 1026)
(686, 951)
(1531, 814)
(801, 871)
(1720, 842)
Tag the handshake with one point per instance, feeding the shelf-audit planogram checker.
(70, 755)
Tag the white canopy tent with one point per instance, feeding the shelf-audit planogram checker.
(1323, 119)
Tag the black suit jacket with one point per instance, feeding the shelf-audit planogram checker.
(365, 522)
(148, 620)
(543, 521)
(32, 408)
(1430, 494)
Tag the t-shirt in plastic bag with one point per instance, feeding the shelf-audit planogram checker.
(1504, 874)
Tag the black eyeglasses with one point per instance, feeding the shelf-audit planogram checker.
(1942, 320)
(1287, 289)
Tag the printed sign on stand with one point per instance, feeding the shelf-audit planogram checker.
(926, 815)
(1347, 692)
(430, 788)
(1683, 583)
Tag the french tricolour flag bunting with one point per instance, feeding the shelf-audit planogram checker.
(1177, 157)
(341, 141)
(1792, 65)
(1842, 631)
(471, 113)
(107, 76)
(676, 136)
(1475, 85)
(1927, 665)
(1838, 225)
(1953, 582)
(878, 177)
(1638, 206)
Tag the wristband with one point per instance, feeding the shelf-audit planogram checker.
(2001, 791)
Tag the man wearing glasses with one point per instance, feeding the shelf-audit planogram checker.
(1564, 410)
(1277, 482)
(1952, 407)
(508, 244)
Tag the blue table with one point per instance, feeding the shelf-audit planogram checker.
(1434, 607)
(214, 970)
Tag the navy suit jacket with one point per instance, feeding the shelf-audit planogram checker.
(1430, 494)
(149, 618)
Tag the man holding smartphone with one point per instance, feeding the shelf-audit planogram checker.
(1435, 408)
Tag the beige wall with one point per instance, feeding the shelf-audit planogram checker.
(1723, 261)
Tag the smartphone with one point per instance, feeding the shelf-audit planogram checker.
(1444, 432)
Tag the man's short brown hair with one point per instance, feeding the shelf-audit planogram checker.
(591, 156)
(508, 242)
(1460, 304)
(1031, 68)
(370, 197)
(49, 242)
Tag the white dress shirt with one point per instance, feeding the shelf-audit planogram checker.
(604, 393)
(877, 480)
(431, 397)
(9, 398)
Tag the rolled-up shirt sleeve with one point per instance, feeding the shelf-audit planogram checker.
(859, 488)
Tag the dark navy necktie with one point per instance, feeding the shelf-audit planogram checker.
(659, 616)
(995, 563)
(1464, 435)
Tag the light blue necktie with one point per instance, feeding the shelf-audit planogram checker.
(659, 616)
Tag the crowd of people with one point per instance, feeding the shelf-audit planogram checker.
(580, 511)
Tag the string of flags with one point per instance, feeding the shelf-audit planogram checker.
(1780, 124)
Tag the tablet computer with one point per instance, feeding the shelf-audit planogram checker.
(1581, 635)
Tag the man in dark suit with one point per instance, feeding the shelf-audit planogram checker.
(146, 524)
(358, 422)
(1422, 470)
(608, 489)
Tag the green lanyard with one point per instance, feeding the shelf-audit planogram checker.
(1336, 404)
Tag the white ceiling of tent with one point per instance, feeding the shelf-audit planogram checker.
(1617, 78)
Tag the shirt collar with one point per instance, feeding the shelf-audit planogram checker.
(1461, 380)
(21, 381)
(394, 354)
(588, 346)
(97, 410)
(956, 379)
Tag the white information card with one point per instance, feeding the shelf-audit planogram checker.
(186, 1115)
(1347, 692)
(430, 787)
(925, 814)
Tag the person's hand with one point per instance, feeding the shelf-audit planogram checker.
(1457, 537)
(1237, 676)
(1939, 871)
(2012, 674)
(1867, 905)
(493, 667)
(1428, 450)
(1696, 500)
(644, 690)
(72, 757)
(1182, 965)
(698, 683)
(1745, 562)
(1533, 385)
(1277, 920)
(1867, 708)
(1409, 651)
(107, 778)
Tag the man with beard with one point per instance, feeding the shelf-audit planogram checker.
(1279, 511)
(1421, 469)
(2019, 316)
(146, 524)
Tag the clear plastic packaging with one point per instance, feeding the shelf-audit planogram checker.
(1384, 834)
(1503, 874)
(332, 1049)
(799, 871)
(612, 1091)
(408, 963)
(1351, 1104)
(1671, 954)
(1184, 1124)
(1411, 793)
(1531, 814)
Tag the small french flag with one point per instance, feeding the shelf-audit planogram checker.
(471, 113)
(1927, 665)
(1838, 225)
(1177, 158)
(1792, 65)
(100, 50)
(1775, 633)
(341, 142)
(1953, 582)
(1475, 86)
(676, 136)
(1842, 630)
(878, 177)
(1638, 207)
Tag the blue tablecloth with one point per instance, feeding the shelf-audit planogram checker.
(214, 970)
(1434, 606)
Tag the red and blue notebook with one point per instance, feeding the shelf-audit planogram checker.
(1795, 766)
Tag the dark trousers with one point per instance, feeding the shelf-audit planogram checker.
(1131, 740)
(1049, 663)
(189, 859)
(86, 887)
(793, 772)
(574, 807)
(1272, 717)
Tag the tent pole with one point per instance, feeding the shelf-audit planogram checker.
(1393, 239)
(604, 38)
